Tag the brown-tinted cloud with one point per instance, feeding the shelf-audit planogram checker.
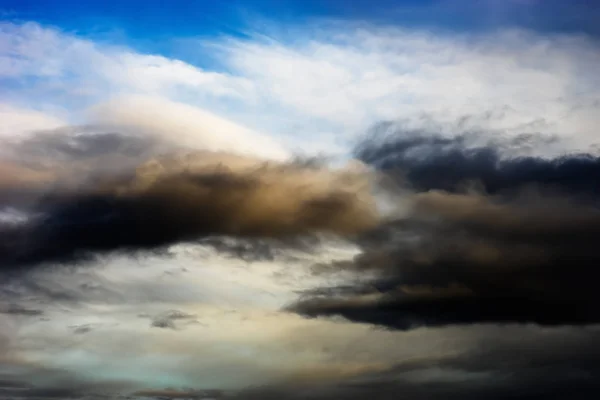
(177, 197)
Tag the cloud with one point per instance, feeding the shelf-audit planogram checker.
(353, 76)
(428, 160)
(65, 62)
(97, 187)
(81, 329)
(168, 319)
(317, 87)
(15, 309)
(493, 368)
(186, 126)
(184, 197)
(251, 351)
(48, 383)
(17, 121)
(518, 245)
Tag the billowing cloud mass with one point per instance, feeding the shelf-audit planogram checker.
(86, 190)
(488, 236)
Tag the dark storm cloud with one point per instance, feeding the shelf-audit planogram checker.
(520, 248)
(80, 198)
(429, 161)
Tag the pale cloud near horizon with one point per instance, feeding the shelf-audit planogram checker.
(96, 321)
(320, 87)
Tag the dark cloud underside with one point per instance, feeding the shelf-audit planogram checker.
(488, 238)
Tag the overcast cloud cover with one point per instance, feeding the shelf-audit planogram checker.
(303, 200)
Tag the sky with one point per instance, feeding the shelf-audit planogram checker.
(329, 199)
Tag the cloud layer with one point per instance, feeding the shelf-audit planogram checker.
(318, 87)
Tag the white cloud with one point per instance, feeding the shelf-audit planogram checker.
(56, 58)
(157, 74)
(43, 67)
(318, 86)
(354, 77)
(17, 120)
(185, 125)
